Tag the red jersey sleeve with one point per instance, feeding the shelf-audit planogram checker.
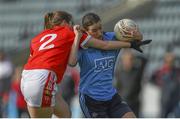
(84, 40)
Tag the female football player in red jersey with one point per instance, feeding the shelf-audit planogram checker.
(49, 53)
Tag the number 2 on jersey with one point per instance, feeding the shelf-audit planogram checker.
(44, 45)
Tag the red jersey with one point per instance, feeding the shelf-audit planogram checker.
(50, 50)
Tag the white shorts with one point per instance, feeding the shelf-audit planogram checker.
(39, 87)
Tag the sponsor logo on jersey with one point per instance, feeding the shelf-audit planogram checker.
(103, 64)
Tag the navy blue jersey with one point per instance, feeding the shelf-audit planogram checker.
(96, 71)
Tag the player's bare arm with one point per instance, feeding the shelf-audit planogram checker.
(74, 49)
(107, 45)
(111, 45)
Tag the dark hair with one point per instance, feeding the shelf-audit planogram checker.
(90, 19)
(55, 18)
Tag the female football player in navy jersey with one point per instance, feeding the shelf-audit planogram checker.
(98, 98)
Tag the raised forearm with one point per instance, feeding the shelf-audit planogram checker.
(116, 45)
(74, 52)
(107, 45)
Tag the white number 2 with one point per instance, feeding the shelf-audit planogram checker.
(44, 45)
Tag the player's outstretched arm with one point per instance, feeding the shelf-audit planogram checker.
(135, 42)
(107, 45)
(113, 45)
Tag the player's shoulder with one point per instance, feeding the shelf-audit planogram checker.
(64, 31)
(109, 35)
(57, 29)
(61, 28)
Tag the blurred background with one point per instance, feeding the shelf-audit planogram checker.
(149, 82)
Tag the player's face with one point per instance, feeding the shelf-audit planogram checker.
(95, 30)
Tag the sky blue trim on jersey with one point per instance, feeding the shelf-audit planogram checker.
(96, 71)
